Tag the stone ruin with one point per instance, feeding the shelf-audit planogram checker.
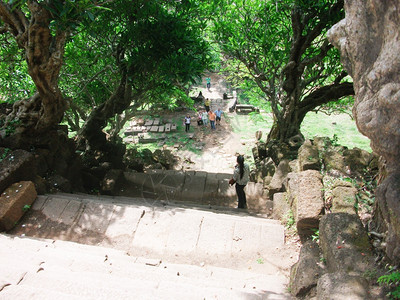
(139, 130)
(369, 42)
(323, 191)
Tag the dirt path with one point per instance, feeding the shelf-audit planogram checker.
(220, 146)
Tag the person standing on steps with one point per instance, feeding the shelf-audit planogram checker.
(212, 117)
(241, 178)
(218, 113)
(207, 105)
(186, 121)
(208, 81)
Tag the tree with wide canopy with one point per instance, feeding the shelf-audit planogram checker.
(284, 48)
(40, 29)
(134, 53)
(151, 51)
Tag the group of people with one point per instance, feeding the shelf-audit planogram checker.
(205, 117)
(214, 117)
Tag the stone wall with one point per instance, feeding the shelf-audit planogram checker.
(369, 42)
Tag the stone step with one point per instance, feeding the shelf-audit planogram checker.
(156, 229)
(69, 270)
(20, 292)
(200, 188)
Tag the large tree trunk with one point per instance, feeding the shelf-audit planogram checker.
(44, 55)
(33, 123)
(287, 127)
(92, 131)
(368, 40)
(93, 140)
(288, 121)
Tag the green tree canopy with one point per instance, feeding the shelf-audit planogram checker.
(145, 53)
(284, 48)
(39, 29)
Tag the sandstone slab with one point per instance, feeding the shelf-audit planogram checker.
(345, 244)
(14, 201)
(306, 272)
(281, 205)
(308, 203)
(339, 286)
(308, 157)
(277, 182)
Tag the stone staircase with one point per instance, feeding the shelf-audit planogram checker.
(43, 269)
(195, 187)
(87, 247)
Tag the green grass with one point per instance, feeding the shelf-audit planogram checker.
(314, 124)
(247, 125)
(342, 125)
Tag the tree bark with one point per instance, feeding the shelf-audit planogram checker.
(91, 131)
(44, 56)
(290, 122)
(294, 106)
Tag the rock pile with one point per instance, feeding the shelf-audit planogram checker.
(323, 193)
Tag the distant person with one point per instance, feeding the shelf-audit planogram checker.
(212, 117)
(200, 118)
(218, 114)
(207, 105)
(186, 121)
(205, 118)
(241, 178)
(208, 83)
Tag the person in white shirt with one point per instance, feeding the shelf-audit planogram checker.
(241, 177)
(187, 123)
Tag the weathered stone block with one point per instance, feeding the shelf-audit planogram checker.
(339, 286)
(148, 123)
(305, 273)
(281, 205)
(267, 167)
(112, 181)
(344, 197)
(335, 162)
(357, 160)
(19, 165)
(308, 157)
(345, 244)
(154, 129)
(13, 202)
(292, 186)
(279, 177)
(308, 203)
